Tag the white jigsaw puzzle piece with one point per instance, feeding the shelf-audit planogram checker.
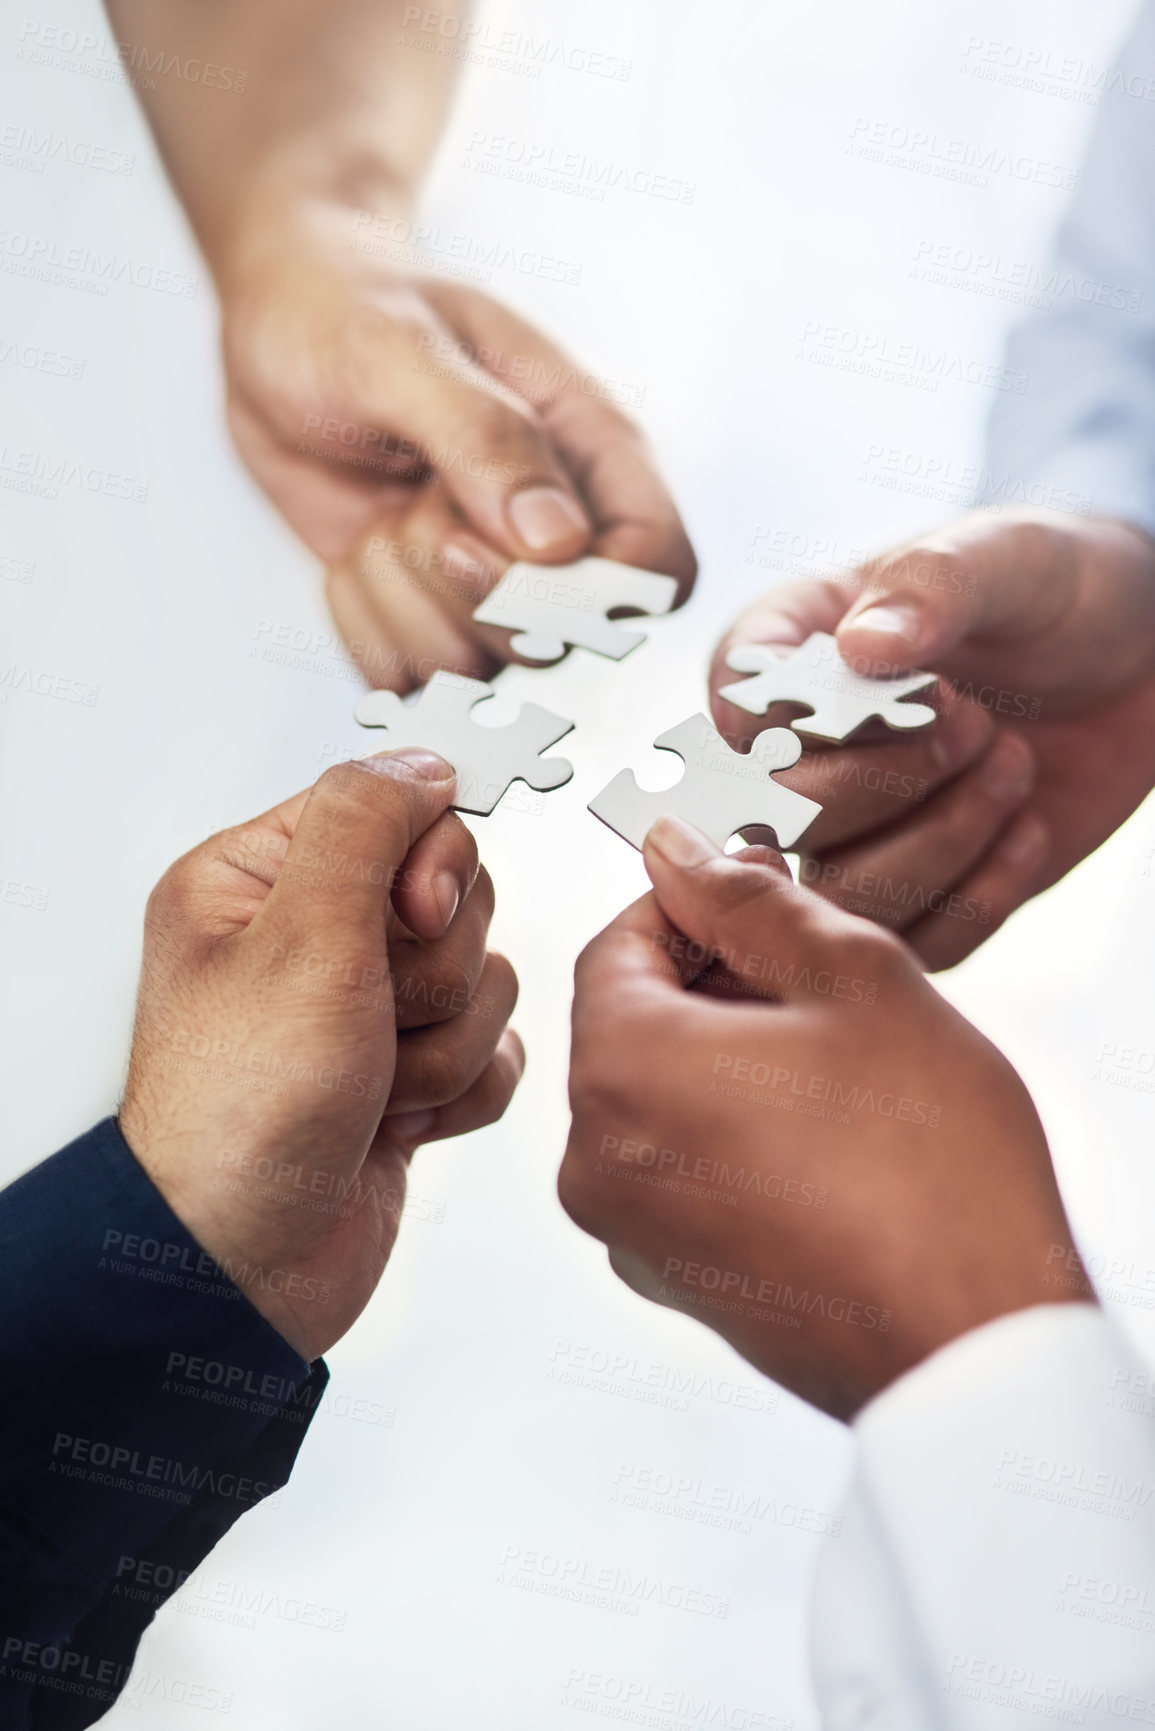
(487, 759)
(722, 792)
(815, 674)
(552, 607)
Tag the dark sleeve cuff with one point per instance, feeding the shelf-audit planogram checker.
(145, 1393)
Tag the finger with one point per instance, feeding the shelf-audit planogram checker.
(437, 876)
(421, 574)
(438, 1064)
(983, 576)
(753, 920)
(633, 969)
(633, 514)
(326, 502)
(358, 824)
(1015, 869)
(434, 981)
(485, 443)
(400, 645)
(878, 779)
(901, 872)
(863, 788)
(483, 1102)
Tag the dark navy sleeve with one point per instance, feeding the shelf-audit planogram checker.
(146, 1405)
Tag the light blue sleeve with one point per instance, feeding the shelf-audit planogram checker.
(1082, 435)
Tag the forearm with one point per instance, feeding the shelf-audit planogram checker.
(342, 106)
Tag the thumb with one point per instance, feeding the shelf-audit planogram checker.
(489, 448)
(358, 824)
(983, 576)
(748, 915)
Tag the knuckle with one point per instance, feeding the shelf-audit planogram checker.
(493, 1094)
(498, 990)
(444, 1076)
(488, 422)
(360, 789)
(579, 1193)
(875, 951)
(174, 895)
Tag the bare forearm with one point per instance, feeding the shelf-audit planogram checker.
(343, 103)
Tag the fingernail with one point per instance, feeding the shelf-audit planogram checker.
(545, 517)
(447, 893)
(680, 843)
(423, 763)
(902, 622)
(1007, 769)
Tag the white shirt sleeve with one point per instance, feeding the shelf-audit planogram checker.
(1081, 436)
(996, 1563)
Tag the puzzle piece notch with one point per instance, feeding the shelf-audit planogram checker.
(722, 792)
(815, 674)
(555, 607)
(488, 760)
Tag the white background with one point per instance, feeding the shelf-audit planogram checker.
(164, 605)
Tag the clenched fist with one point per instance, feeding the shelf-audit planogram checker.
(316, 1000)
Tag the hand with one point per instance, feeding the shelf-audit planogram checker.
(781, 1128)
(1046, 628)
(419, 437)
(315, 1001)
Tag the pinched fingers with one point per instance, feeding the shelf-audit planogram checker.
(439, 1063)
(899, 874)
(435, 980)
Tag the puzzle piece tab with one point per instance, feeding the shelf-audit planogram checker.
(487, 759)
(721, 792)
(552, 607)
(816, 675)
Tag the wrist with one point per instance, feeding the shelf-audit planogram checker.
(289, 207)
(249, 1251)
(1050, 1274)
